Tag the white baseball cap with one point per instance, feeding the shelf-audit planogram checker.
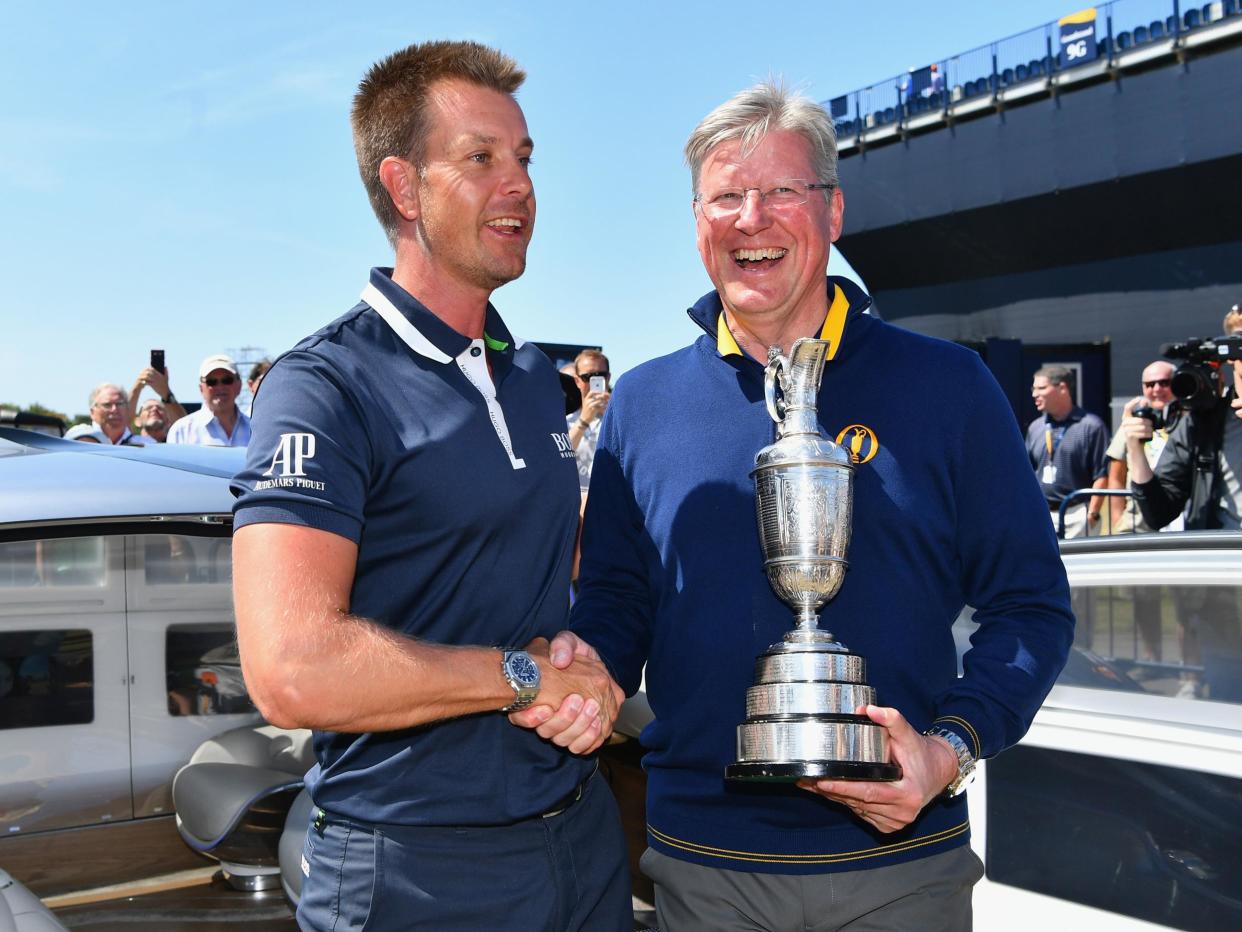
(219, 361)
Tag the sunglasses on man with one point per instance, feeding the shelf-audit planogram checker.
(1163, 383)
(223, 380)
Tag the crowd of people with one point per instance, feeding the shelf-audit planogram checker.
(120, 418)
(1182, 461)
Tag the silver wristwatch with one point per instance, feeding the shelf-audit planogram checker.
(522, 673)
(965, 760)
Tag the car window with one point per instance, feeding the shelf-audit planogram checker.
(1154, 842)
(203, 670)
(172, 559)
(44, 564)
(1182, 641)
(47, 677)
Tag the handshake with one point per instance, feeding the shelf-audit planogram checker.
(578, 699)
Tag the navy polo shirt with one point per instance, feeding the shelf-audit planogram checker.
(384, 427)
(1078, 446)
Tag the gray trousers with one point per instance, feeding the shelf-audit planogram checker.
(928, 895)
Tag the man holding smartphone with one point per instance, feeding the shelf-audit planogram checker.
(156, 376)
(592, 375)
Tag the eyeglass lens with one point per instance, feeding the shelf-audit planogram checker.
(226, 380)
(1163, 383)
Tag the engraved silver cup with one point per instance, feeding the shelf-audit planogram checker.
(800, 719)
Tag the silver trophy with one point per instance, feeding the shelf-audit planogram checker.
(800, 718)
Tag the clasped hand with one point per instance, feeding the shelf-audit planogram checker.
(578, 699)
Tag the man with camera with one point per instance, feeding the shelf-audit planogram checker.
(1156, 379)
(1201, 464)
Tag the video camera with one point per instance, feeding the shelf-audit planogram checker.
(1196, 383)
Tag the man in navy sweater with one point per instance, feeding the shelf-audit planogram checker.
(946, 514)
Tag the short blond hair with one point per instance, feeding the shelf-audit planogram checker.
(389, 115)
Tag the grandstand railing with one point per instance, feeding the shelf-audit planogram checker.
(1032, 57)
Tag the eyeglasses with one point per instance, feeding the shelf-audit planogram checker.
(1163, 383)
(110, 405)
(779, 195)
(587, 376)
(223, 380)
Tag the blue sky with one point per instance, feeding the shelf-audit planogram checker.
(181, 175)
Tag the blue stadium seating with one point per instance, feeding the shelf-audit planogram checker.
(1020, 73)
(1102, 48)
(1191, 19)
(1124, 41)
(1232, 7)
(1140, 35)
(1170, 25)
(1006, 77)
(1156, 30)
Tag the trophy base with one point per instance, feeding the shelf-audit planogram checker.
(791, 771)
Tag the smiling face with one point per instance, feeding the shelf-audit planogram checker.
(220, 397)
(1156, 378)
(110, 410)
(476, 202)
(768, 265)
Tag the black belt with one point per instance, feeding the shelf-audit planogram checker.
(572, 796)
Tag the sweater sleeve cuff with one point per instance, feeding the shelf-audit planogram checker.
(964, 730)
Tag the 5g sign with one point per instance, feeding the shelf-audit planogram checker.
(1078, 44)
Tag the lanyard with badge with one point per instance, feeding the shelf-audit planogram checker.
(1049, 475)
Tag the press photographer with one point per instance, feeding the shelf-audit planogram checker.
(1202, 461)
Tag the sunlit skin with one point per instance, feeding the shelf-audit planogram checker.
(1052, 398)
(471, 210)
(110, 411)
(774, 301)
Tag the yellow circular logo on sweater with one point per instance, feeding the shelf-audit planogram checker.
(859, 440)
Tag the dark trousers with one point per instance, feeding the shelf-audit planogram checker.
(928, 895)
(558, 873)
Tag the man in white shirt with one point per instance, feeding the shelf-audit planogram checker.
(219, 422)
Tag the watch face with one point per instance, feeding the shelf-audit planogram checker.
(523, 669)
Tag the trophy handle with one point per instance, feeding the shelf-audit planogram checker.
(774, 377)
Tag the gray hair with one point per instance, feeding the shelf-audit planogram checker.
(103, 387)
(748, 117)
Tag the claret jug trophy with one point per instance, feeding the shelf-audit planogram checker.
(800, 718)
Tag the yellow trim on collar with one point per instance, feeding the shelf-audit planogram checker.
(724, 338)
(834, 323)
(834, 326)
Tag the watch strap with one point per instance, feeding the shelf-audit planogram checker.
(965, 759)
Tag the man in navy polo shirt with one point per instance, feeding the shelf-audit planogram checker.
(405, 524)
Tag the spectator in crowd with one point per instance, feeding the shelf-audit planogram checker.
(219, 422)
(257, 371)
(1200, 468)
(158, 381)
(584, 423)
(152, 420)
(936, 81)
(402, 528)
(110, 413)
(1066, 447)
(1157, 394)
(673, 575)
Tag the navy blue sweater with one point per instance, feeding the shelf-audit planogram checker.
(946, 513)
